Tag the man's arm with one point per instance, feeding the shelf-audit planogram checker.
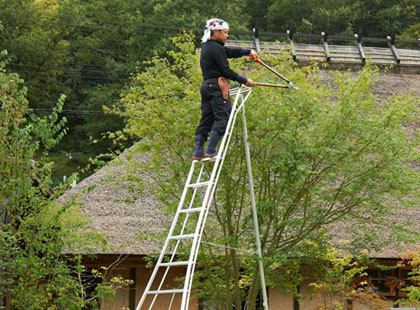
(236, 52)
(223, 64)
(228, 72)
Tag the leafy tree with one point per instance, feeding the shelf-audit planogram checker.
(35, 231)
(258, 10)
(38, 51)
(412, 32)
(53, 48)
(413, 290)
(370, 18)
(336, 278)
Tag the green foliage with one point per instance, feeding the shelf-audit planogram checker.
(370, 18)
(337, 276)
(335, 280)
(413, 291)
(412, 32)
(36, 232)
(320, 155)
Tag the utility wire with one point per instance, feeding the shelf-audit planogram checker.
(58, 68)
(98, 112)
(114, 22)
(104, 27)
(77, 75)
(70, 155)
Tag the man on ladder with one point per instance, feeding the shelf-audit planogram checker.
(215, 101)
(218, 117)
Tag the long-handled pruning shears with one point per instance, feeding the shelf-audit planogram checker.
(258, 60)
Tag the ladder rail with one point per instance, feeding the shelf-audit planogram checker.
(217, 170)
(159, 264)
(228, 136)
(189, 275)
(171, 230)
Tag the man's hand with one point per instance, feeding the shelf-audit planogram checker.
(250, 83)
(253, 55)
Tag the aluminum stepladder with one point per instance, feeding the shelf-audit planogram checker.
(197, 190)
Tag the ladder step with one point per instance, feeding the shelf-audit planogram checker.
(166, 291)
(200, 184)
(183, 263)
(190, 210)
(182, 237)
(212, 159)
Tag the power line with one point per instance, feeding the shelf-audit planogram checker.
(131, 32)
(58, 68)
(89, 112)
(145, 25)
(115, 22)
(70, 155)
(98, 78)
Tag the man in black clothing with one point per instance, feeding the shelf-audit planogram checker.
(215, 108)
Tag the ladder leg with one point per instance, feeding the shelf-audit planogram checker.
(207, 201)
(254, 211)
(178, 241)
(171, 230)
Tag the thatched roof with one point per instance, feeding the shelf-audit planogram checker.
(386, 86)
(343, 234)
(107, 202)
(115, 212)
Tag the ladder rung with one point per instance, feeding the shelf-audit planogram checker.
(190, 210)
(183, 263)
(182, 236)
(212, 159)
(166, 291)
(200, 184)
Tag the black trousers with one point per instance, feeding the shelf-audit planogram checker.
(215, 110)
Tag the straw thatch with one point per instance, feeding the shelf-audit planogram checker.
(115, 212)
(106, 202)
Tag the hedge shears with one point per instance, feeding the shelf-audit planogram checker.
(258, 60)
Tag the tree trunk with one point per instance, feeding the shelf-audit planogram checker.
(229, 301)
(251, 302)
(236, 276)
(8, 299)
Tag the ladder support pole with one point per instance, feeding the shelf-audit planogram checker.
(254, 210)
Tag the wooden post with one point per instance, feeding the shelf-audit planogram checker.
(290, 38)
(325, 44)
(256, 39)
(360, 47)
(296, 305)
(132, 291)
(391, 44)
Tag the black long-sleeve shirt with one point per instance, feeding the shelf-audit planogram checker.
(214, 63)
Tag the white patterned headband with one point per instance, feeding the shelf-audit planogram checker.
(213, 24)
